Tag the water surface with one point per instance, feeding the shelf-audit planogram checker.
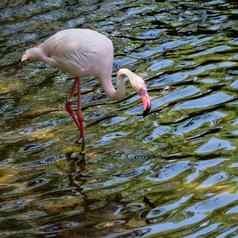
(170, 174)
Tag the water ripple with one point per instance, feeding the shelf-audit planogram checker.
(206, 101)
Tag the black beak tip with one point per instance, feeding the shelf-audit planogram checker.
(146, 111)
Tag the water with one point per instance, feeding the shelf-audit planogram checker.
(170, 174)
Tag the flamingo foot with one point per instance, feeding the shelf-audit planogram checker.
(81, 141)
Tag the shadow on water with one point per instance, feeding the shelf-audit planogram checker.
(172, 173)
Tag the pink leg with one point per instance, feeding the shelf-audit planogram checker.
(79, 111)
(68, 105)
(78, 116)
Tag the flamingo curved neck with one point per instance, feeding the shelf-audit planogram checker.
(120, 91)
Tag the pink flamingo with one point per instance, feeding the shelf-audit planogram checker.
(84, 52)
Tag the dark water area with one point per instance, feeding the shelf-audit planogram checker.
(173, 173)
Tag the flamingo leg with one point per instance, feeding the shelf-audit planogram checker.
(78, 115)
(68, 105)
(79, 112)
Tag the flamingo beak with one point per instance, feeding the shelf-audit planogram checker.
(146, 101)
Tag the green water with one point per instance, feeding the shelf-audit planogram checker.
(170, 174)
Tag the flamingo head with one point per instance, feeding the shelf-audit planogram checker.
(139, 85)
(145, 98)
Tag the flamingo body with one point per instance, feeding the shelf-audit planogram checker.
(84, 53)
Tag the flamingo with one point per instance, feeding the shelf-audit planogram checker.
(85, 52)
